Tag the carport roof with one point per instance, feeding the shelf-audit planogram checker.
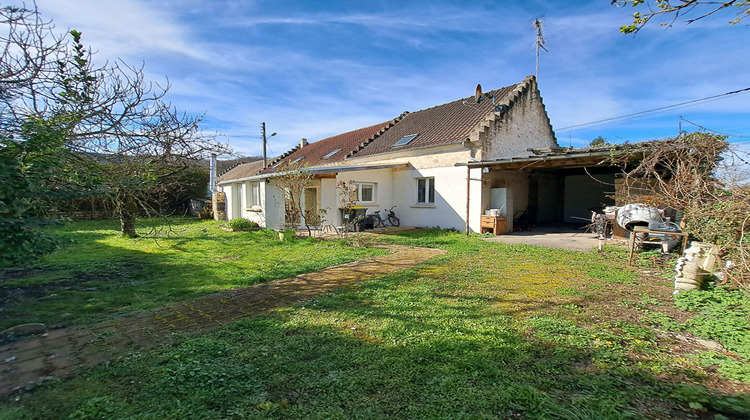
(560, 158)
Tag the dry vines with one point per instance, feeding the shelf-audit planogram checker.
(697, 174)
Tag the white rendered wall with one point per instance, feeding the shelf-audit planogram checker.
(449, 209)
(257, 214)
(383, 197)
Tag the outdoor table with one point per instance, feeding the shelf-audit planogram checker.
(644, 229)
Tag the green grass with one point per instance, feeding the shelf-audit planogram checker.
(484, 331)
(99, 273)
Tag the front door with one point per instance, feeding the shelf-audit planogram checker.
(312, 215)
(236, 201)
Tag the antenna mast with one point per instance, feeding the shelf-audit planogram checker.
(540, 43)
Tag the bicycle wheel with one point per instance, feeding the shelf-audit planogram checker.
(393, 220)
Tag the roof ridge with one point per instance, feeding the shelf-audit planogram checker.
(470, 97)
(282, 156)
(501, 107)
(376, 135)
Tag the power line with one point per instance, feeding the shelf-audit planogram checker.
(734, 92)
(726, 133)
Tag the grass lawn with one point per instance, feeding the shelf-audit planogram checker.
(485, 331)
(99, 273)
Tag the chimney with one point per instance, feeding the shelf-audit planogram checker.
(302, 142)
(212, 175)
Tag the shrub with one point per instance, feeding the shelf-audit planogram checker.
(242, 224)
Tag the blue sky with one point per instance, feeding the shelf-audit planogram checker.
(317, 68)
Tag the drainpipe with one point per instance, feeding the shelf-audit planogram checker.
(472, 158)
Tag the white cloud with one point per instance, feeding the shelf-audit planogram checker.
(123, 28)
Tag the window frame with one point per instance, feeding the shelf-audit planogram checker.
(405, 140)
(428, 191)
(252, 195)
(330, 154)
(374, 186)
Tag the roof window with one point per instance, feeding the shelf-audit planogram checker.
(298, 159)
(331, 154)
(405, 140)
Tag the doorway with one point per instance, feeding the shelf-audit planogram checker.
(311, 209)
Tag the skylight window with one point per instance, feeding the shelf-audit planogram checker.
(298, 159)
(405, 140)
(331, 154)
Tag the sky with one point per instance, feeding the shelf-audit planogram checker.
(314, 69)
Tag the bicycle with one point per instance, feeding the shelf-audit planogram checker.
(392, 219)
(378, 221)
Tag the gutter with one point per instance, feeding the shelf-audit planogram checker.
(318, 171)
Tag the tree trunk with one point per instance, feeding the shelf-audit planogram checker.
(127, 219)
(127, 226)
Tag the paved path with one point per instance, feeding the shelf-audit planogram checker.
(561, 237)
(59, 353)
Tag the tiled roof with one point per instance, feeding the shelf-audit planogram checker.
(449, 123)
(443, 124)
(314, 153)
(243, 170)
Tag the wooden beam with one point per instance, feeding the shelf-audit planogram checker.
(468, 188)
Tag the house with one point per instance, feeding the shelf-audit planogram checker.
(441, 166)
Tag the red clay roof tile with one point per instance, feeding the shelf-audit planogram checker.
(443, 124)
(314, 153)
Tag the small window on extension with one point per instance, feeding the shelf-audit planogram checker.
(331, 154)
(405, 140)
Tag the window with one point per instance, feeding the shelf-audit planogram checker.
(328, 156)
(298, 159)
(366, 192)
(252, 199)
(425, 190)
(405, 140)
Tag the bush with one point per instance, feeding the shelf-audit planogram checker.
(242, 224)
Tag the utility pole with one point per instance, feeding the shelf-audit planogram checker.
(539, 43)
(265, 141)
(263, 135)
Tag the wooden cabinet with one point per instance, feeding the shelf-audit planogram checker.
(494, 224)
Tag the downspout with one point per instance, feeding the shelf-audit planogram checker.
(471, 158)
(468, 182)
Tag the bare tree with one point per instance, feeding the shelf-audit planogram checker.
(126, 140)
(293, 179)
(675, 9)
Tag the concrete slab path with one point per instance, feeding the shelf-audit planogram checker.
(560, 237)
(59, 353)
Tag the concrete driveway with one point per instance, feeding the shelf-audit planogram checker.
(571, 237)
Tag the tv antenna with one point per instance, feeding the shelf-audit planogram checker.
(540, 43)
